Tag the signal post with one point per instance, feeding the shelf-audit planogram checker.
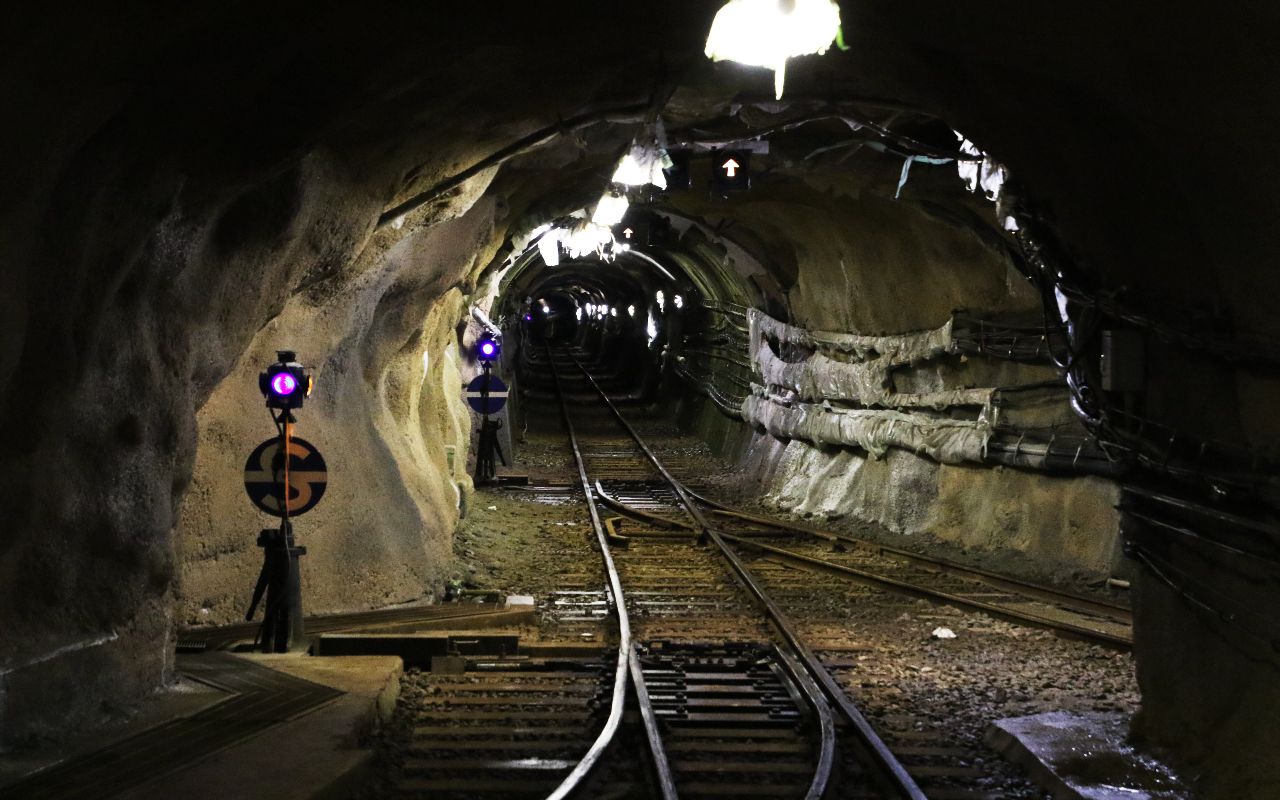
(285, 476)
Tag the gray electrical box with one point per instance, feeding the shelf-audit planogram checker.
(1123, 362)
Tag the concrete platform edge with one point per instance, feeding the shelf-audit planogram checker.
(322, 753)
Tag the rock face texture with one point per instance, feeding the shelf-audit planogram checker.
(1055, 528)
(385, 408)
(193, 188)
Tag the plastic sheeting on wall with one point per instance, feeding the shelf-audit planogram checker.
(866, 381)
(819, 378)
(906, 348)
(875, 431)
(810, 386)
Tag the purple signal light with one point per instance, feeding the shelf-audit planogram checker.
(487, 349)
(283, 384)
(528, 317)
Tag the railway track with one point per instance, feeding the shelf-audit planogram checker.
(733, 704)
(651, 500)
(795, 565)
(726, 667)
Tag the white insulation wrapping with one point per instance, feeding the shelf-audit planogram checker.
(862, 375)
(907, 348)
(867, 379)
(948, 441)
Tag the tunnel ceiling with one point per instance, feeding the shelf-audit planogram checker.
(813, 164)
(410, 97)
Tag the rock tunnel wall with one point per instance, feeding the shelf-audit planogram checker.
(879, 419)
(1036, 525)
(385, 408)
(200, 189)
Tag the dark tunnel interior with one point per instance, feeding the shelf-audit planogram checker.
(991, 284)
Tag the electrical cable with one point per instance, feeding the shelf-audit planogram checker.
(621, 114)
(909, 145)
(1164, 570)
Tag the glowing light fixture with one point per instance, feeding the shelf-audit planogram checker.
(588, 238)
(677, 300)
(643, 164)
(613, 312)
(610, 210)
(577, 313)
(661, 300)
(631, 311)
(765, 33)
(585, 237)
(549, 248)
(283, 384)
(487, 349)
(986, 174)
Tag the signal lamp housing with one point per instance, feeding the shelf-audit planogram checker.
(285, 384)
(488, 349)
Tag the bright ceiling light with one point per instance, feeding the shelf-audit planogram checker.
(677, 300)
(583, 239)
(631, 311)
(642, 165)
(549, 248)
(613, 312)
(986, 174)
(610, 210)
(588, 238)
(765, 33)
(662, 300)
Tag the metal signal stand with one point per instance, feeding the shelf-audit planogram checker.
(280, 578)
(488, 443)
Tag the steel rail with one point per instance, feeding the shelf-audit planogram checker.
(1114, 614)
(628, 661)
(1078, 602)
(643, 516)
(891, 775)
(960, 601)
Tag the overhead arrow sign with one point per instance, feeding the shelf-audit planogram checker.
(627, 232)
(732, 172)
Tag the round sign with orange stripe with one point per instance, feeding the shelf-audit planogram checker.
(264, 477)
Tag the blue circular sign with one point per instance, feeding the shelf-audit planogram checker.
(475, 394)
